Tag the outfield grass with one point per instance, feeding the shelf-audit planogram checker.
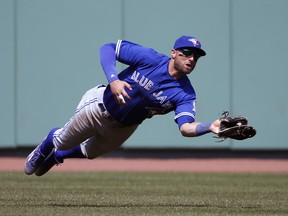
(138, 194)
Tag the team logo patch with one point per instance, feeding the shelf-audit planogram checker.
(195, 42)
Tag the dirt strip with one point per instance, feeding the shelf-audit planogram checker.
(159, 165)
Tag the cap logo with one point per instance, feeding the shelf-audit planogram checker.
(195, 42)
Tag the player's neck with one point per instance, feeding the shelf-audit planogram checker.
(173, 72)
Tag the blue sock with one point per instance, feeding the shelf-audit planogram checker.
(47, 144)
(76, 152)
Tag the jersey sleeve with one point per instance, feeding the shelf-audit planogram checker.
(185, 113)
(135, 55)
(125, 52)
(108, 61)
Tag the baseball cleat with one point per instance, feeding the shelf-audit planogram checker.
(48, 163)
(33, 161)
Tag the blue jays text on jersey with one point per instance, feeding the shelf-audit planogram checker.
(154, 90)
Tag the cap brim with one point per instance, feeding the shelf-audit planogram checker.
(202, 52)
(199, 50)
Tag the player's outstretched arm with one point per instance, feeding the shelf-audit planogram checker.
(197, 129)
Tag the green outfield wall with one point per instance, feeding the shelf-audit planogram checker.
(49, 56)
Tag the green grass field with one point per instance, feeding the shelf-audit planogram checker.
(136, 194)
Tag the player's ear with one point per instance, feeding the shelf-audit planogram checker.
(173, 53)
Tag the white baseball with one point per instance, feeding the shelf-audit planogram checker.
(122, 98)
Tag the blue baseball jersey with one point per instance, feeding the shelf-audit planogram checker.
(154, 90)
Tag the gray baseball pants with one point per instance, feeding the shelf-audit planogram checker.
(92, 127)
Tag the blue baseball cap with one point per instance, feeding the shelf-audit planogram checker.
(189, 42)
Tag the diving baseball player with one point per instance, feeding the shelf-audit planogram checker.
(152, 84)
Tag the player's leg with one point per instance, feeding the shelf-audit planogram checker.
(37, 156)
(90, 148)
(100, 145)
(57, 157)
(78, 129)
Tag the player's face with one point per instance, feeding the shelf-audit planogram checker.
(185, 60)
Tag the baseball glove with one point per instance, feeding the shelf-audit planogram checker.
(235, 128)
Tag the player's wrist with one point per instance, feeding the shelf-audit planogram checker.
(203, 128)
(112, 78)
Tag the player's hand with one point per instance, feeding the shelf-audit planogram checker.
(215, 126)
(119, 92)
